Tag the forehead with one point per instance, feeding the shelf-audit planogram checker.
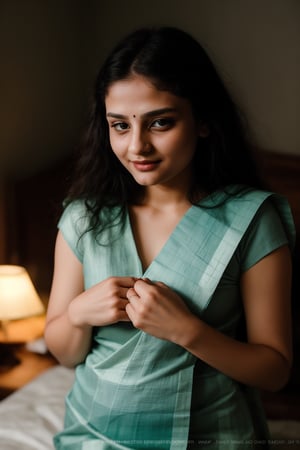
(137, 95)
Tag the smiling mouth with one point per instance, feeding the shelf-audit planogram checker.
(145, 166)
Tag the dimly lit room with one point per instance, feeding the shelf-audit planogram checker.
(50, 55)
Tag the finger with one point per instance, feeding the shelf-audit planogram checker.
(161, 284)
(123, 304)
(126, 282)
(123, 292)
(146, 280)
(131, 293)
(142, 286)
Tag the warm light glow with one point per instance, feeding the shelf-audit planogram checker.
(18, 297)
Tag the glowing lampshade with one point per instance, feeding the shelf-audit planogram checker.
(18, 297)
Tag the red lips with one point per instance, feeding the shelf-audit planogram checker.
(144, 165)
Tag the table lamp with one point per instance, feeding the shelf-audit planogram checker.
(18, 300)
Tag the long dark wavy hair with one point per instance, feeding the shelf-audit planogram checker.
(174, 61)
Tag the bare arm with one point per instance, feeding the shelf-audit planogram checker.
(72, 312)
(265, 360)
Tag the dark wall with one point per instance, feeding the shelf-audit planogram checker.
(50, 52)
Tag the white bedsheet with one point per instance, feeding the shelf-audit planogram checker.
(31, 416)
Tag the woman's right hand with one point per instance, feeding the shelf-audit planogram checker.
(102, 304)
(73, 312)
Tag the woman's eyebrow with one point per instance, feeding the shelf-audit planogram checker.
(115, 115)
(153, 113)
(157, 112)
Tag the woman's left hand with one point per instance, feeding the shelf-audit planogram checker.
(156, 309)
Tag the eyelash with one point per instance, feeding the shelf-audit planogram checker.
(166, 123)
(117, 124)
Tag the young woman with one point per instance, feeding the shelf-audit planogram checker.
(172, 277)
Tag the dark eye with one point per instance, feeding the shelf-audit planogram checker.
(162, 123)
(120, 126)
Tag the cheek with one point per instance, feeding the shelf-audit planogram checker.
(183, 146)
(120, 156)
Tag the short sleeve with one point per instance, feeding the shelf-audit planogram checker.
(265, 234)
(73, 224)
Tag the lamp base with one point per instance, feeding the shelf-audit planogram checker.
(8, 357)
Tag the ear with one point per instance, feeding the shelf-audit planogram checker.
(203, 130)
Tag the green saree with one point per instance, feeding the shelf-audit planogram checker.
(135, 391)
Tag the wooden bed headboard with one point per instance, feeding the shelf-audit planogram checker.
(282, 173)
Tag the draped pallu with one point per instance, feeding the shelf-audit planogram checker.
(134, 391)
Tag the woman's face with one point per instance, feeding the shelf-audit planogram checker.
(152, 132)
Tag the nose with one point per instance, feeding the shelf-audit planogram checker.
(139, 144)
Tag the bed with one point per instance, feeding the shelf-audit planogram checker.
(31, 416)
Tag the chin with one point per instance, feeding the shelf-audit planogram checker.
(145, 181)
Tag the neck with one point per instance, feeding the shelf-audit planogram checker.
(161, 197)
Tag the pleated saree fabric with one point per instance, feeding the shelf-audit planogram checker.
(135, 391)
